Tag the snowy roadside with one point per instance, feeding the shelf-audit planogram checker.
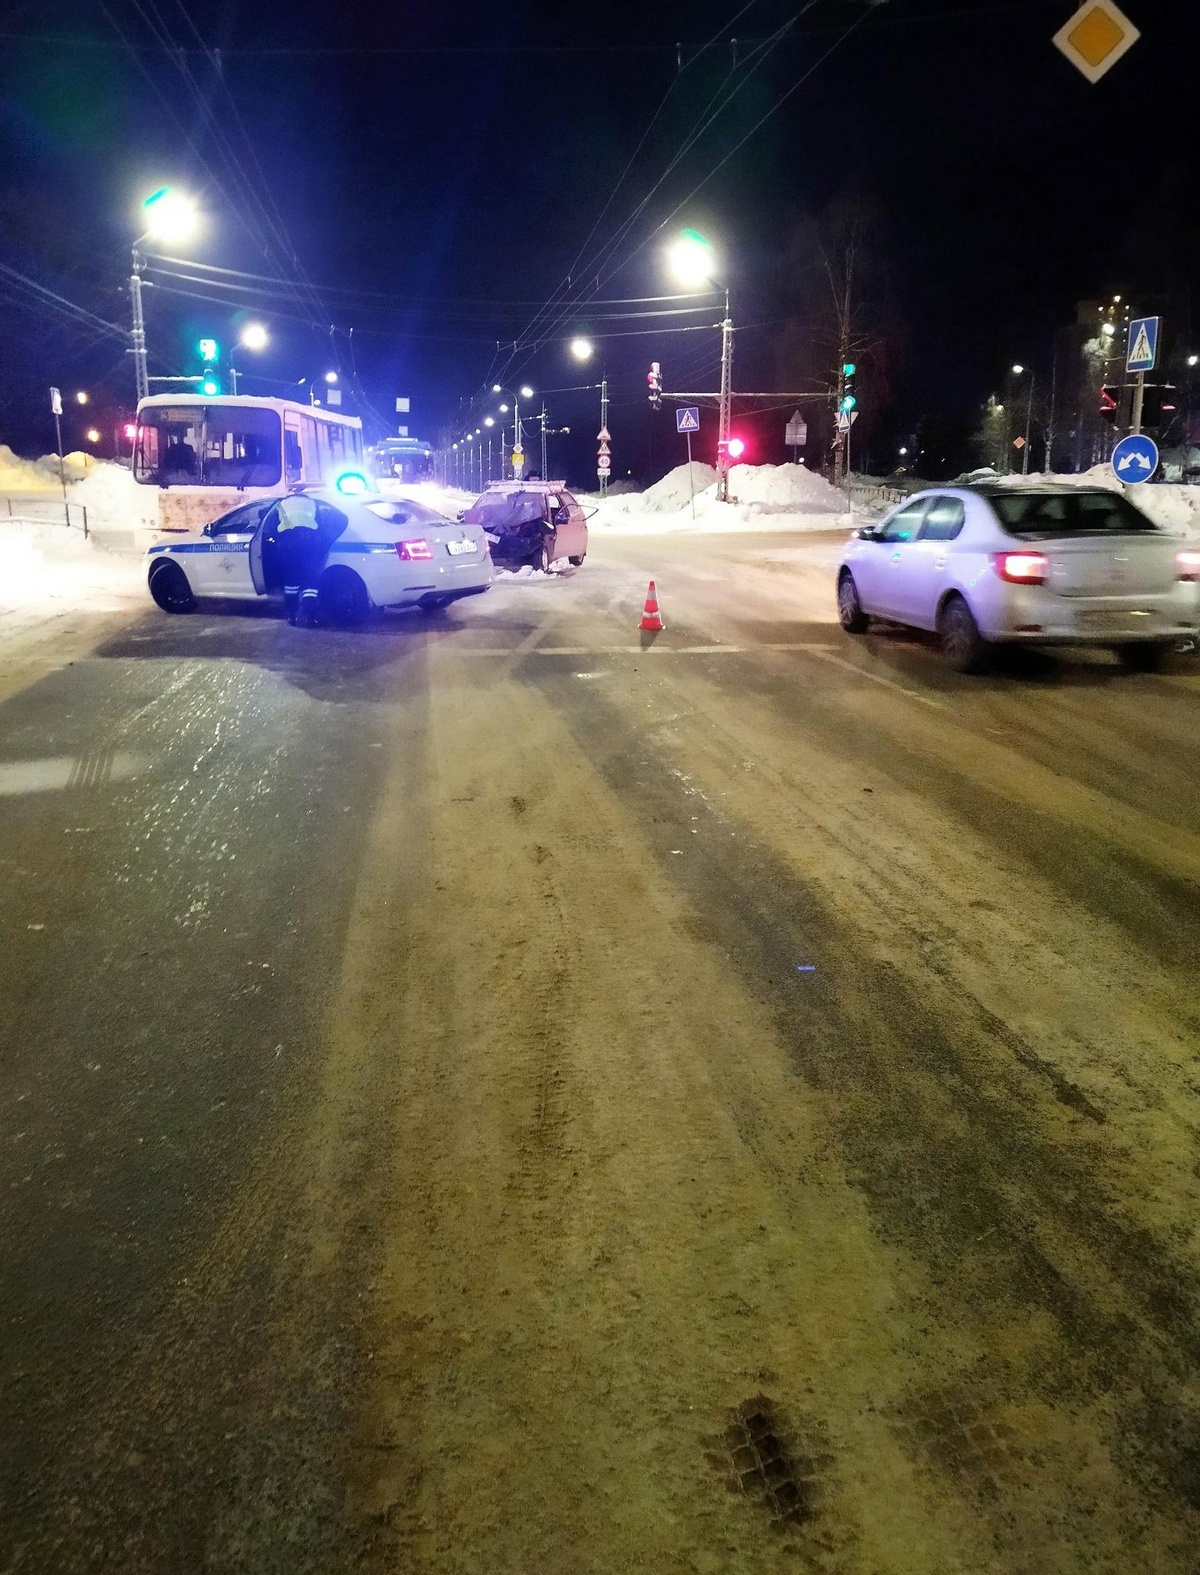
(59, 595)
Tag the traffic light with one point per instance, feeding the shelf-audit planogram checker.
(210, 353)
(731, 449)
(654, 379)
(1108, 403)
(848, 398)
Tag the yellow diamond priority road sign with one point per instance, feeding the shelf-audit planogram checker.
(1096, 37)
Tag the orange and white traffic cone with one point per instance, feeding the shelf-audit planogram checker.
(651, 617)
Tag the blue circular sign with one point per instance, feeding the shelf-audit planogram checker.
(1135, 458)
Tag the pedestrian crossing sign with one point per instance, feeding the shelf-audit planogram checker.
(687, 419)
(1143, 344)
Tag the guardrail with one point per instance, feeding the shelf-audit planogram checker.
(883, 493)
(35, 509)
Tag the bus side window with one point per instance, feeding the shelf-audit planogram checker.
(292, 458)
(337, 448)
(355, 439)
(312, 463)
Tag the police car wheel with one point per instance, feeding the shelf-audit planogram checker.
(170, 589)
(342, 598)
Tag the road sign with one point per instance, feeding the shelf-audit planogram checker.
(846, 419)
(1143, 344)
(1135, 458)
(687, 419)
(402, 407)
(603, 464)
(1096, 37)
(796, 435)
(55, 402)
(1018, 442)
(604, 448)
(604, 435)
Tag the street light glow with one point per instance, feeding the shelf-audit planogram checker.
(81, 397)
(331, 377)
(169, 215)
(691, 259)
(1107, 328)
(254, 336)
(1018, 369)
(582, 349)
(1192, 359)
(503, 410)
(489, 421)
(92, 435)
(526, 391)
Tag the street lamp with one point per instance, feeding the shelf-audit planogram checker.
(81, 397)
(1018, 369)
(169, 216)
(331, 378)
(582, 349)
(524, 392)
(692, 261)
(92, 435)
(252, 337)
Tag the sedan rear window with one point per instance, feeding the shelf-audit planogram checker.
(1040, 516)
(403, 511)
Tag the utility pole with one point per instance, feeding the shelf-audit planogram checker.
(543, 440)
(726, 401)
(140, 374)
(604, 428)
(1028, 428)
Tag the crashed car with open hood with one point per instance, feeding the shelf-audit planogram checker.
(530, 522)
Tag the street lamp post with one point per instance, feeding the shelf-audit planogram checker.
(691, 258)
(524, 392)
(169, 216)
(1017, 371)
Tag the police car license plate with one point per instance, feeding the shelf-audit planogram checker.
(1115, 620)
(458, 549)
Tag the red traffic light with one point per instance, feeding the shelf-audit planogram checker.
(130, 431)
(735, 448)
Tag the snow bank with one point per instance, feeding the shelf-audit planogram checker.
(19, 475)
(762, 498)
(43, 564)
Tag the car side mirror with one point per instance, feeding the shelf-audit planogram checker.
(461, 515)
(868, 533)
(207, 531)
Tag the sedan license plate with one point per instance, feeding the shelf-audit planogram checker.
(1115, 620)
(458, 549)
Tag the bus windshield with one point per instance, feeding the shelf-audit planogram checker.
(209, 446)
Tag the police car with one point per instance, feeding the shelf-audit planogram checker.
(384, 552)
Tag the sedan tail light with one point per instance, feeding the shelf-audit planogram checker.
(417, 550)
(1021, 568)
(1187, 563)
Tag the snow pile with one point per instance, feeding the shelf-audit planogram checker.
(19, 475)
(669, 495)
(114, 500)
(45, 565)
(763, 498)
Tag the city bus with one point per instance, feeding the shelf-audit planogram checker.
(403, 459)
(207, 453)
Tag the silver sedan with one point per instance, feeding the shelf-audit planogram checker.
(1037, 564)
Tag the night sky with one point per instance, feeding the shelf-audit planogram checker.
(427, 177)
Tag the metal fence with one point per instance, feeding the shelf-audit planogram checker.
(37, 509)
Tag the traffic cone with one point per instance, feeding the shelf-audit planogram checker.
(651, 617)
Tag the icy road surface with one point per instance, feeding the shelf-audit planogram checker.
(499, 1093)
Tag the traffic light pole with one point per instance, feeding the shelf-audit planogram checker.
(726, 404)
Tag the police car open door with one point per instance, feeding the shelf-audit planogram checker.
(257, 573)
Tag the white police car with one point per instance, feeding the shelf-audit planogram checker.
(384, 552)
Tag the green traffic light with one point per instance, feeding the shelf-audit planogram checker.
(209, 350)
(849, 369)
(849, 402)
(210, 386)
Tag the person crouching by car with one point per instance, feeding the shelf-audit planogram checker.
(304, 535)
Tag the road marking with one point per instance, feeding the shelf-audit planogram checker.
(638, 650)
(825, 653)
